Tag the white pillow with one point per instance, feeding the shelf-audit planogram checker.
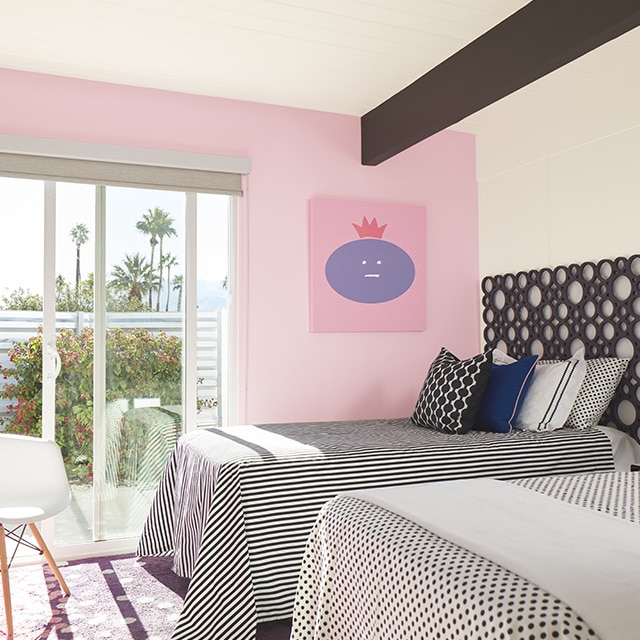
(552, 392)
(500, 357)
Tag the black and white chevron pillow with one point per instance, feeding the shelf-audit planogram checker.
(452, 392)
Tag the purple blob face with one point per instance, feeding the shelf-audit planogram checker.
(370, 270)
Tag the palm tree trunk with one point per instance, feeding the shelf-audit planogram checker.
(77, 268)
(153, 249)
(166, 307)
(159, 276)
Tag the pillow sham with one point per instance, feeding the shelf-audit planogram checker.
(552, 393)
(600, 382)
(452, 392)
(505, 394)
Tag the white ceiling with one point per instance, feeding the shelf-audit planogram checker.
(341, 56)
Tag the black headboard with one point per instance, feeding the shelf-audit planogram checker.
(552, 312)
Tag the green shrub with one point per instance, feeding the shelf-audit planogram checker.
(139, 364)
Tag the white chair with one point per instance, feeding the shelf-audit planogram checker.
(33, 487)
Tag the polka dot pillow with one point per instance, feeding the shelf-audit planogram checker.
(452, 392)
(600, 382)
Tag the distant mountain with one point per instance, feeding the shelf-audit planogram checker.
(211, 295)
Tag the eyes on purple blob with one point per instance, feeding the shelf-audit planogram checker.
(370, 270)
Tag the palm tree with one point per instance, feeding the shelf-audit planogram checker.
(169, 261)
(157, 224)
(178, 285)
(133, 277)
(79, 234)
(148, 227)
(164, 230)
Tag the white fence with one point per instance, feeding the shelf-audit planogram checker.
(19, 326)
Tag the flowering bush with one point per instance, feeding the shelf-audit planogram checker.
(139, 364)
(205, 403)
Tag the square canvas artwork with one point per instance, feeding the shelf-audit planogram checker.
(367, 266)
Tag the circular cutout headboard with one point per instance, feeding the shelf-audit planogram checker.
(553, 312)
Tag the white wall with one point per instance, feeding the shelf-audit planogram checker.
(560, 183)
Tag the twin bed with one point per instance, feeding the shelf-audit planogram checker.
(250, 513)
(531, 559)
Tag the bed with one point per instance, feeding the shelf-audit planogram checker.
(527, 559)
(235, 506)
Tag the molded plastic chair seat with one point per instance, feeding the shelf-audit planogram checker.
(20, 515)
(33, 487)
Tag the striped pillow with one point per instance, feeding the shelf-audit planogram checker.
(552, 394)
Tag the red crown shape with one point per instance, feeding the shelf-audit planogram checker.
(369, 229)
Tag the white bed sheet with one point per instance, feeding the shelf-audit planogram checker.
(626, 451)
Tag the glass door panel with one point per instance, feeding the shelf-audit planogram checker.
(119, 336)
(21, 295)
(101, 278)
(75, 241)
(21, 298)
(143, 416)
(21, 308)
(213, 305)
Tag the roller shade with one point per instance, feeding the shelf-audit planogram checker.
(142, 168)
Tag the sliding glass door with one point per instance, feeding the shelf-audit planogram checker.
(118, 312)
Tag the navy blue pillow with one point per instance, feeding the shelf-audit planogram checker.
(503, 397)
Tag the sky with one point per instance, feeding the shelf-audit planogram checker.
(22, 230)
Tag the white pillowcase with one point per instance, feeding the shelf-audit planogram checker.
(551, 394)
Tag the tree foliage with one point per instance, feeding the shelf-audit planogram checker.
(133, 282)
(157, 224)
(72, 300)
(133, 278)
(22, 300)
(77, 298)
(140, 364)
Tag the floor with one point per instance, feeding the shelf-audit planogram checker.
(121, 514)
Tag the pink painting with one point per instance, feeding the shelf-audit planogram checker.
(367, 266)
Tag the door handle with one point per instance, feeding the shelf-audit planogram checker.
(52, 354)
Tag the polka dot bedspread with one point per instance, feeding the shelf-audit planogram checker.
(369, 573)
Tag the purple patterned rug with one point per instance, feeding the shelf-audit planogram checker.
(115, 598)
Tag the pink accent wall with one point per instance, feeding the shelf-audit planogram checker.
(286, 372)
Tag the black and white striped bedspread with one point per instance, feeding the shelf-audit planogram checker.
(237, 516)
(370, 573)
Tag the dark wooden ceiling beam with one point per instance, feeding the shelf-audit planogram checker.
(539, 38)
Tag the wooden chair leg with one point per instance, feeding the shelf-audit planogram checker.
(4, 570)
(49, 558)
